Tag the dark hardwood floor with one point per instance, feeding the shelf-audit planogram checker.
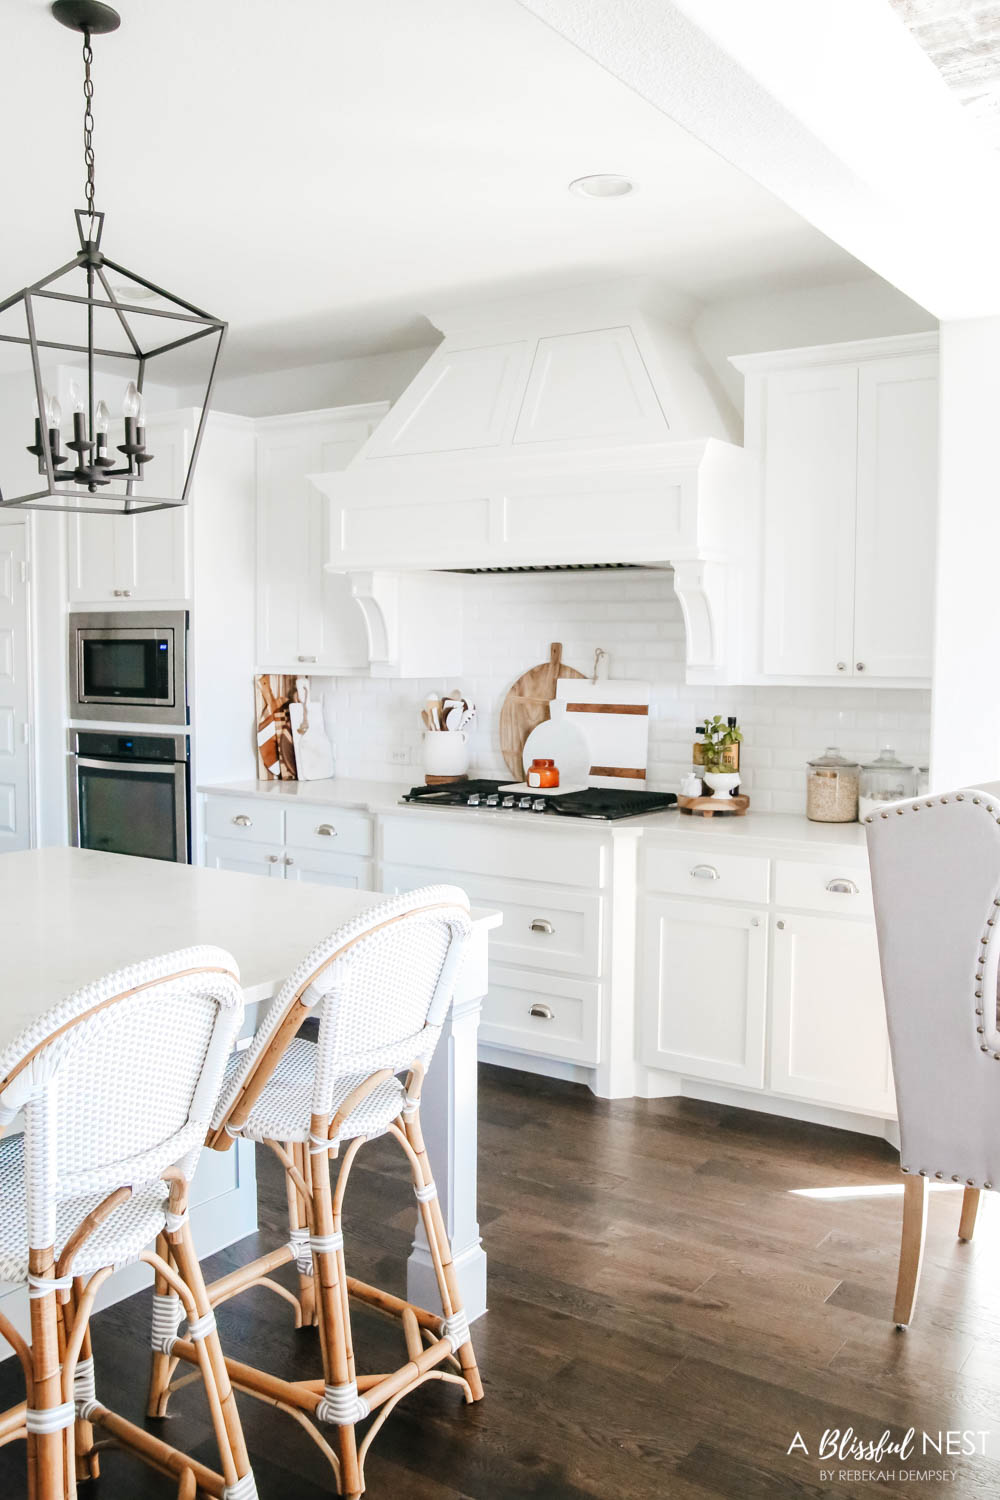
(676, 1290)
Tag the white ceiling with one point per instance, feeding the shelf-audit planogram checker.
(962, 40)
(321, 172)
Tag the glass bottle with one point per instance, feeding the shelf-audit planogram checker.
(885, 779)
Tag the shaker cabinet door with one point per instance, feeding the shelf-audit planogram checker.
(810, 480)
(897, 516)
(702, 990)
(829, 1037)
(246, 859)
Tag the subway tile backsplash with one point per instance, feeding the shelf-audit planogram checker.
(635, 616)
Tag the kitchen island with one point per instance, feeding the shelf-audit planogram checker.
(68, 916)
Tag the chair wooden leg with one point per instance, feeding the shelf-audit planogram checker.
(225, 1417)
(440, 1246)
(911, 1251)
(298, 1222)
(88, 1465)
(47, 1475)
(971, 1200)
(337, 1366)
(163, 1365)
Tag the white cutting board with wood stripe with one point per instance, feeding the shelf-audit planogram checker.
(614, 717)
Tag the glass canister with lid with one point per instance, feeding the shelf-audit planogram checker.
(832, 788)
(885, 779)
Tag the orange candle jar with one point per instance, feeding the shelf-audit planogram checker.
(543, 773)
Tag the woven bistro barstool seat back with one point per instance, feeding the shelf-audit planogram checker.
(382, 985)
(117, 1086)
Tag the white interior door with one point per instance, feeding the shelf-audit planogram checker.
(15, 698)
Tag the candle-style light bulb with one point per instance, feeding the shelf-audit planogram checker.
(132, 404)
(102, 417)
(55, 412)
(76, 397)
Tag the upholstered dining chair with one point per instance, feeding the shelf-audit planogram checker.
(935, 864)
(117, 1085)
(382, 984)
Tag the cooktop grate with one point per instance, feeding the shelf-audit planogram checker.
(605, 803)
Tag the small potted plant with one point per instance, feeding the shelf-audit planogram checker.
(722, 756)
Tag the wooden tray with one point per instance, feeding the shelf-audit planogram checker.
(707, 807)
(527, 705)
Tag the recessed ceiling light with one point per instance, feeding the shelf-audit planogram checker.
(602, 185)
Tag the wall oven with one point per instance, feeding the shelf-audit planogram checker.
(130, 794)
(129, 666)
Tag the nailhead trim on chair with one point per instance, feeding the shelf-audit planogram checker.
(968, 1181)
(341, 1405)
(53, 1419)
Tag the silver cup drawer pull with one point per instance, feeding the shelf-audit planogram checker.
(542, 1012)
(327, 830)
(842, 887)
(242, 821)
(541, 924)
(705, 872)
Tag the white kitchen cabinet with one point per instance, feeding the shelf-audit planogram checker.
(245, 857)
(829, 1041)
(702, 978)
(307, 618)
(139, 558)
(841, 551)
(346, 870)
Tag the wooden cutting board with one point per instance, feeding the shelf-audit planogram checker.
(527, 705)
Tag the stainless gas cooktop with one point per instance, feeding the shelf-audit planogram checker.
(605, 803)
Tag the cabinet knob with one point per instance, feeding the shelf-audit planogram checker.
(327, 830)
(127, 593)
(859, 666)
(306, 658)
(272, 859)
(705, 872)
(542, 1012)
(755, 921)
(842, 887)
(242, 821)
(780, 926)
(117, 593)
(288, 860)
(539, 924)
(841, 666)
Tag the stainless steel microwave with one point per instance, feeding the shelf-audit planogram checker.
(129, 666)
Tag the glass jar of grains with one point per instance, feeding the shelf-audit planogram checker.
(832, 788)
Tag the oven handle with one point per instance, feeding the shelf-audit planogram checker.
(163, 767)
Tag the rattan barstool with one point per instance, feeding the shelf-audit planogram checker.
(383, 985)
(117, 1085)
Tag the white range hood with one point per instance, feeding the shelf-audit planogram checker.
(577, 428)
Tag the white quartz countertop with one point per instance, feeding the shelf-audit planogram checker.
(773, 832)
(68, 916)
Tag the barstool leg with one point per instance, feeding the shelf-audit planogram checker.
(337, 1365)
(298, 1221)
(163, 1365)
(88, 1465)
(971, 1200)
(439, 1244)
(225, 1417)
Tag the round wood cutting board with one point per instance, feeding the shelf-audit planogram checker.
(527, 705)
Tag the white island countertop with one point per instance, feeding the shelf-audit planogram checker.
(775, 832)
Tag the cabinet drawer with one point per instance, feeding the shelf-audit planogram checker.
(490, 848)
(693, 872)
(252, 819)
(566, 1018)
(543, 927)
(840, 889)
(334, 830)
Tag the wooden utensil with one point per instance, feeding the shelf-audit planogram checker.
(527, 705)
(275, 749)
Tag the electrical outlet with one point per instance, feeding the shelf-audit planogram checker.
(399, 757)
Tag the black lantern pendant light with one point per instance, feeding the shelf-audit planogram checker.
(106, 336)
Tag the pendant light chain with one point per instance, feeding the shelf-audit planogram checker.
(88, 121)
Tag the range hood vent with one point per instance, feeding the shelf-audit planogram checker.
(550, 434)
